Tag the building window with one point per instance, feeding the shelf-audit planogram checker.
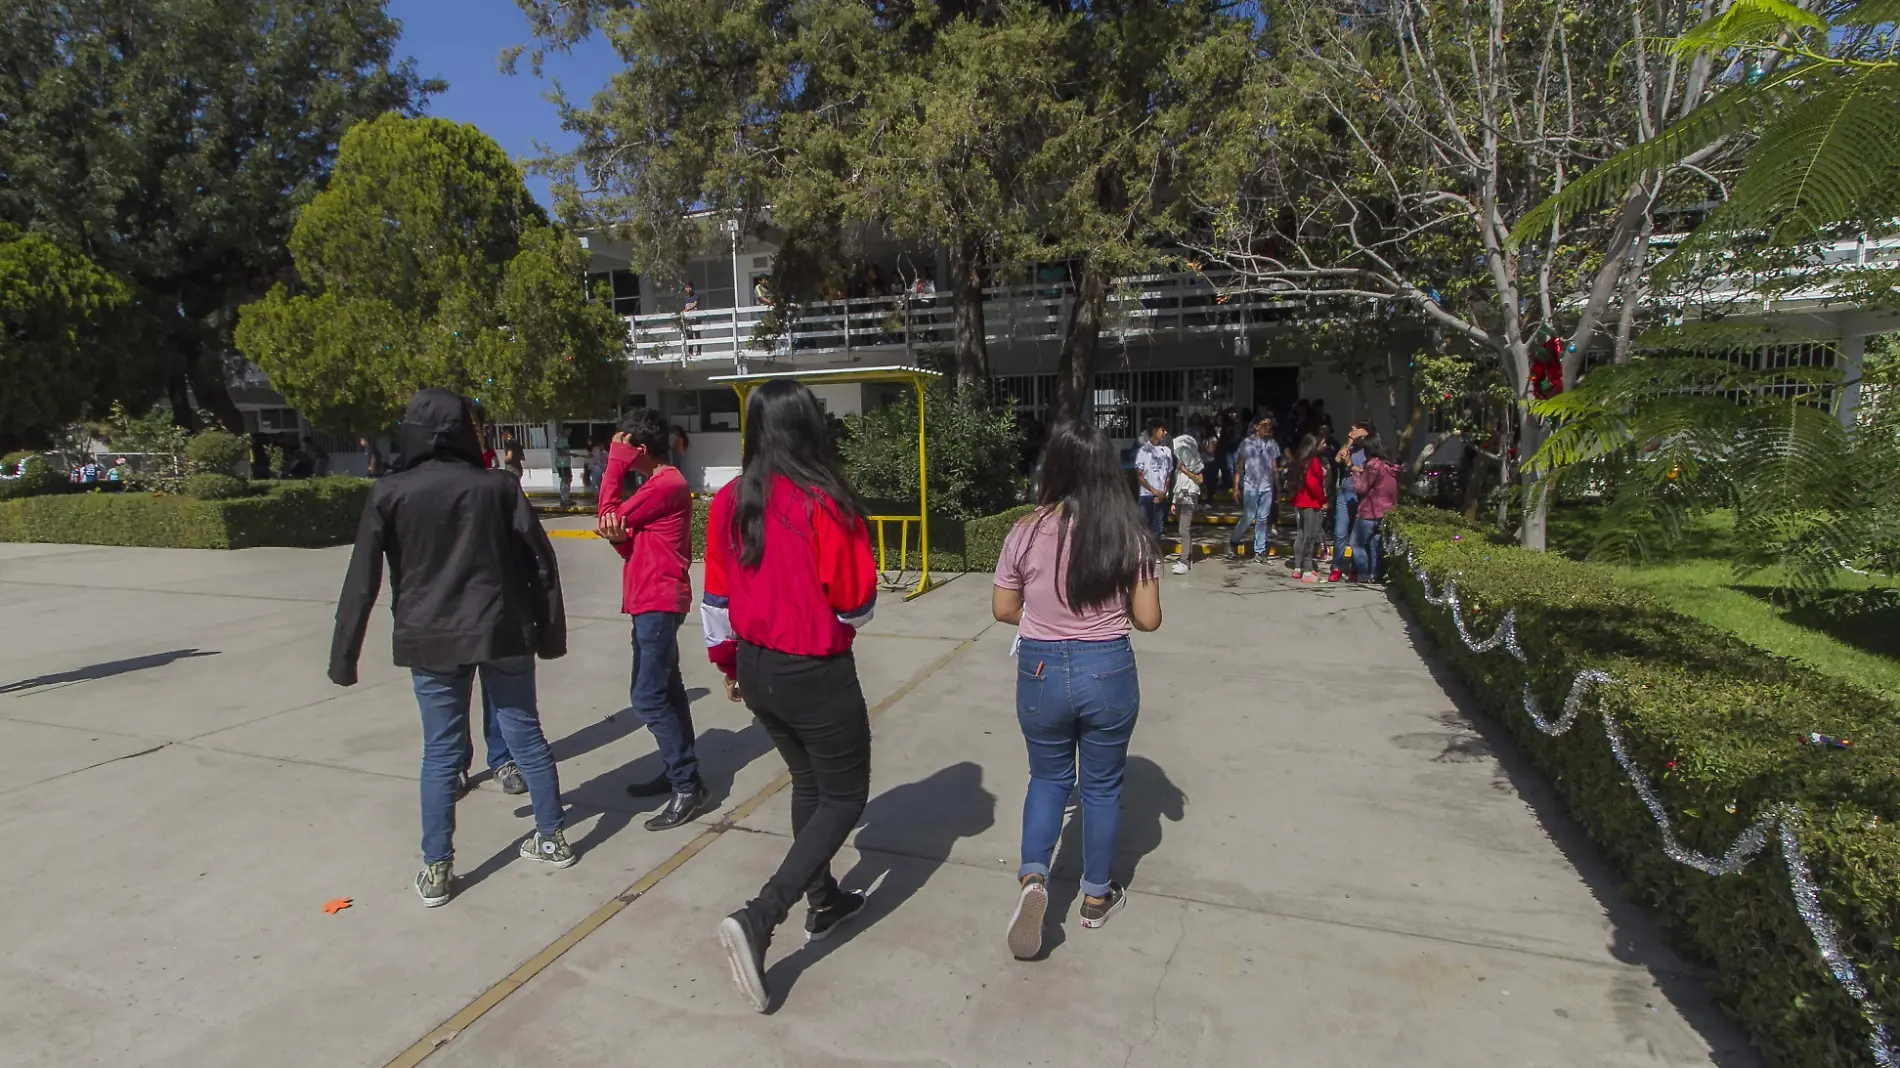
(623, 287)
(701, 411)
(1030, 395)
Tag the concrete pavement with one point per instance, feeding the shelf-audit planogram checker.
(1329, 863)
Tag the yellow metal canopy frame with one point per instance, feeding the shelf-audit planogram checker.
(917, 379)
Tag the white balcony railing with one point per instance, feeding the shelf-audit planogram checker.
(1156, 307)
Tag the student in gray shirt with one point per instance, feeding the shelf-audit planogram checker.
(1257, 468)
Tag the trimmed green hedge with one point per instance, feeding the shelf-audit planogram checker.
(306, 514)
(956, 545)
(1721, 729)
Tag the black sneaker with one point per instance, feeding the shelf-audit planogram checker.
(844, 904)
(509, 776)
(745, 950)
(653, 787)
(1096, 913)
(1025, 924)
(680, 808)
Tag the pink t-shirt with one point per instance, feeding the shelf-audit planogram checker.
(1030, 564)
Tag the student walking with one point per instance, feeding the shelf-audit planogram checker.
(1257, 462)
(1154, 467)
(1075, 575)
(652, 530)
(1187, 495)
(513, 460)
(564, 468)
(1309, 498)
(789, 579)
(475, 591)
(1377, 481)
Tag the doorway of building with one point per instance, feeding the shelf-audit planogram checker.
(1274, 390)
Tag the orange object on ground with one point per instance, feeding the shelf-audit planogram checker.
(331, 908)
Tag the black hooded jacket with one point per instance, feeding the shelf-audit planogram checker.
(472, 575)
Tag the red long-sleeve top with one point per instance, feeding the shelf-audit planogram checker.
(1312, 491)
(815, 586)
(658, 549)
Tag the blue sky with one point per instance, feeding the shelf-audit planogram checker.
(460, 41)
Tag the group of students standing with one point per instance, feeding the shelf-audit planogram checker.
(1356, 480)
(789, 579)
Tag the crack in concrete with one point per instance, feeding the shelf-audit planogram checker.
(1154, 998)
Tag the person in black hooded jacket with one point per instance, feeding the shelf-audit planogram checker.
(475, 591)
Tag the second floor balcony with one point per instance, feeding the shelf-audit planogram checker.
(1163, 307)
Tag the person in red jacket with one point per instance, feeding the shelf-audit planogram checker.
(651, 530)
(789, 580)
(1309, 497)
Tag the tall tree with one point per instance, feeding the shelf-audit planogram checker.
(1395, 146)
(58, 340)
(173, 141)
(1145, 81)
(941, 148)
(427, 263)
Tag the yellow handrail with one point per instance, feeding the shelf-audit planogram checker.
(917, 379)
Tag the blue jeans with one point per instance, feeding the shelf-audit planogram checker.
(491, 734)
(443, 696)
(1075, 698)
(1155, 511)
(1343, 510)
(1365, 548)
(658, 696)
(1256, 509)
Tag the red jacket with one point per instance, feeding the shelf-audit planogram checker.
(1312, 492)
(816, 585)
(658, 550)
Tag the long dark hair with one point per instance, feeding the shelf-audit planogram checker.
(1374, 448)
(785, 434)
(1084, 489)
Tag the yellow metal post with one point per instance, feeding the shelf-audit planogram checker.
(923, 493)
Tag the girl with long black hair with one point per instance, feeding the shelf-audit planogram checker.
(1309, 498)
(1075, 575)
(789, 579)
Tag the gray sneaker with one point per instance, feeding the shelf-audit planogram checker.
(1096, 911)
(550, 849)
(1025, 924)
(509, 776)
(432, 883)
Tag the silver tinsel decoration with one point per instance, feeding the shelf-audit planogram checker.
(1807, 897)
(1827, 942)
(1572, 704)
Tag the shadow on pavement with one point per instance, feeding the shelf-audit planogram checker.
(106, 670)
(906, 834)
(1636, 937)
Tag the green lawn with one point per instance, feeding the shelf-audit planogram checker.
(1701, 581)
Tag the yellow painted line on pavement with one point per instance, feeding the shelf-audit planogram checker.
(533, 966)
(572, 534)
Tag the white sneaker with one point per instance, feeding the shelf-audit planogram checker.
(1181, 567)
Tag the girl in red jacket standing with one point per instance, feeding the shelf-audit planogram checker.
(1309, 496)
(789, 580)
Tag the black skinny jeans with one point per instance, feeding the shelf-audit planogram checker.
(814, 710)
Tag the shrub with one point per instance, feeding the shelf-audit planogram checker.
(974, 449)
(215, 452)
(1721, 729)
(35, 476)
(308, 514)
(215, 487)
